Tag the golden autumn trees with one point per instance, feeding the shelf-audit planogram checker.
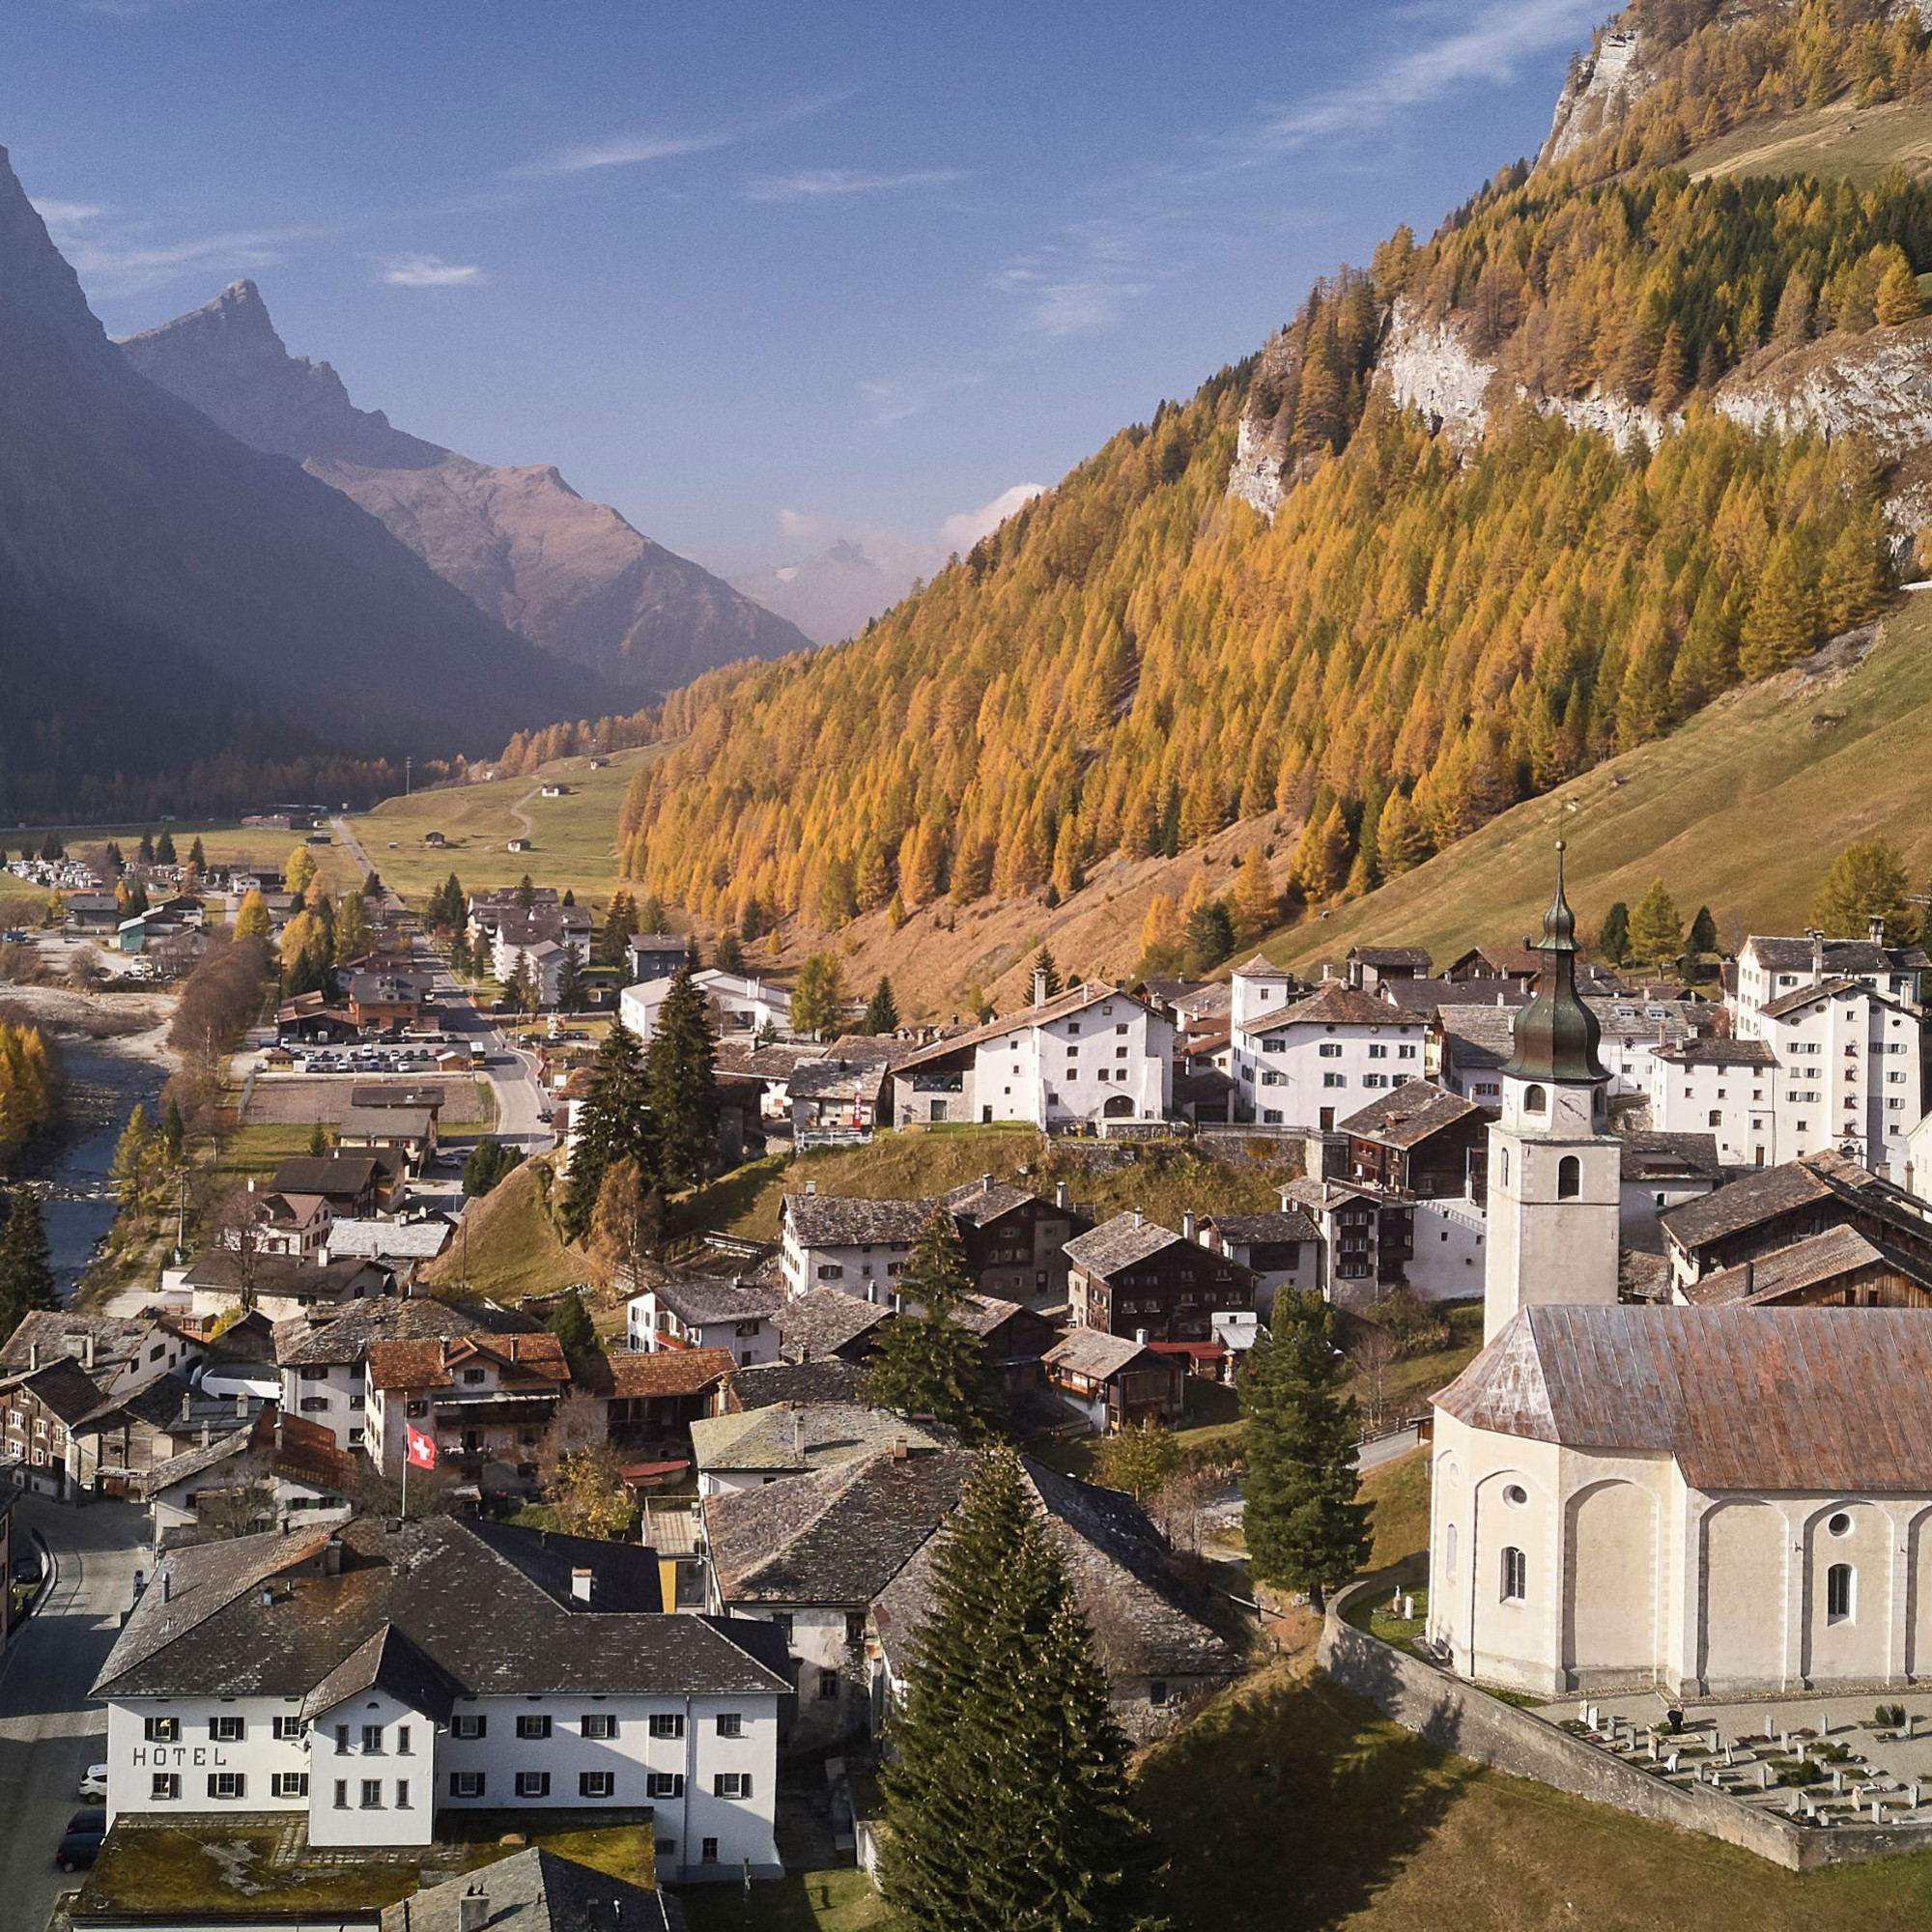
(26, 1085)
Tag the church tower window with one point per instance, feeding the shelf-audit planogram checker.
(1515, 1574)
(1535, 1100)
(1569, 1177)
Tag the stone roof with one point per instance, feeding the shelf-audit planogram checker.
(1762, 1196)
(822, 1321)
(119, 1341)
(385, 1660)
(1841, 957)
(1427, 995)
(329, 1174)
(1116, 1563)
(1117, 1243)
(61, 1387)
(536, 1890)
(977, 1202)
(705, 1298)
(788, 1442)
(1745, 1399)
(643, 1373)
(1796, 1001)
(1093, 1353)
(1261, 967)
(196, 1462)
(1803, 1264)
(837, 1079)
(477, 1600)
(1064, 1005)
(1658, 1156)
(1410, 1115)
(1335, 1003)
(345, 1337)
(390, 1240)
(851, 1220)
(835, 1536)
(286, 1277)
(1288, 1223)
(1715, 1052)
(1416, 957)
(823, 1378)
(1477, 1038)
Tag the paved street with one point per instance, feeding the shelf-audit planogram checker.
(49, 1732)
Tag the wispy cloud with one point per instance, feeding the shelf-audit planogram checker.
(1489, 44)
(109, 264)
(963, 532)
(894, 399)
(798, 524)
(64, 217)
(624, 150)
(814, 184)
(1081, 282)
(430, 271)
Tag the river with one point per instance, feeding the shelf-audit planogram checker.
(79, 1207)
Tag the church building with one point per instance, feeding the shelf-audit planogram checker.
(1706, 1500)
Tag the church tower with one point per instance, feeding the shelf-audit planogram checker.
(1555, 1168)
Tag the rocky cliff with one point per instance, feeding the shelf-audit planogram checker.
(1601, 86)
(569, 575)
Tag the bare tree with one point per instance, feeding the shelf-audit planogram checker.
(1180, 1506)
(581, 1423)
(1374, 1354)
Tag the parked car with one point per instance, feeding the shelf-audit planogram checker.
(94, 1784)
(81, 1844)
(27, 1569)
(15, 936)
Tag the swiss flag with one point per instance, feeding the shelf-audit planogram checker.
(421, 1449)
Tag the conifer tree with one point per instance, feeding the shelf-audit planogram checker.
(1007, 1799)
(26, 1270)
(1046, 973)
(164, 849)
(1867, 881)
(196, 857)
(570, 978)
(570, 1323)
(1898, 298)
(318, 1140)
(526, 894)
(924, 1361)
(147, 849)
(727, 953)
(134, 1156)
(882, 1013)
(1402, 842)
(613, 1125)
(1613, 939)
(1305, 1528)
(1656, 927)
(819, 995)
(1257, 908)
(681, 1083)
(1209, 937)
(173, 1132)
(1703, 932)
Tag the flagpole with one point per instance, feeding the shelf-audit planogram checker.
(405, 1472)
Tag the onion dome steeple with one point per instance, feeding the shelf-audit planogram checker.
(1556, 1035)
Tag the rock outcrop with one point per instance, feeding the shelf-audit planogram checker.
(1600, 91)
(570, 575)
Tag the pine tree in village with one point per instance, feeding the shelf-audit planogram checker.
(681, 1083)
(26, 1265)
(924, 1361)
(1305, 1528)
(1867, 881)
(1613, 937)
(1006, 1800)
(1046, 973)
(614, 1124)
(1656, 927)
(882, 1013)
(570, 984)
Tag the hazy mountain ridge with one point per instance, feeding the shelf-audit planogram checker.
(568, 574)
(147, 542)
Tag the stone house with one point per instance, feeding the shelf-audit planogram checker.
(1130, 1276)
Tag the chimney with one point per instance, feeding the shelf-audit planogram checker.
(87, 1351)
(167, 1587)
(242, 1401)
(1140, 1219)
(473, 1910)
(900, 1449)
(1062, 1195)
(1187, 1224)
(985, 1183)
(1875, 928)
(251, 1183)
(1141, 1338)
(331, 1557)
(32, 1356)
(1751, 1277)
(187, 1403)
(1817, 940)
(811, 1187)
(798, 1431)
(207, 1433)
(580, 1585)
(1039, 986)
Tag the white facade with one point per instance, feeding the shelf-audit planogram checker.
(335, 1395)
(1555, 1187)
(1314, 1063)
(1713, 1089)
(739, 1004)
(1449, 1256)
(545, 959)
(374, 1772)
(752, 1339)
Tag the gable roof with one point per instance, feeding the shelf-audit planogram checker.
(822, 1321)
(1333, 1003)
(1787, 1004)
(1763, 1195)
(836, 1535)
(61, 1387)
(436, 1363)
(1744, 1398)
(1287, 1224)
(536, 1890)
(1808, 1263)
(852, 1220)
(1841, 957)
(1117, 1243)
(488, 1606)
(119, 1341)
(982, 1201)
(331, 1174)
(345, 1337)
(823, 1378)
(1658, 1156)
(1063, 1006)
(1410, 1115)
(390, 1240)
(1715, 1052)
(788, 1442)
(1092, 1351)
(705, 1298)
(644, 1372)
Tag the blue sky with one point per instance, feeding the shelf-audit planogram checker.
(762, 274)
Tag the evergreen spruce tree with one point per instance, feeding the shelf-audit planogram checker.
(196, 857)
(1046, 973)
(882, 1013)
(1305, 1528)
(570, 1323)
(923, 1362)
(728, 954)
(164, 849)
(1703, 932)
(174, 1131)
(1006, 1799)
(1613, 940)
(570, 978)
(614, 1127)
(681, 1083)
(26, 1269)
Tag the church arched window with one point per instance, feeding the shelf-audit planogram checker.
(1515, 1574)
(1449, 1555)
(1840, 1596)
(1569, 1177)
(1535, 1100)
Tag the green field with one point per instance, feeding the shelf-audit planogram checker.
(575, 837)
(1859, 144)
(1742, 808)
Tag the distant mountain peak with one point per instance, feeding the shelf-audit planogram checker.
(570, 575)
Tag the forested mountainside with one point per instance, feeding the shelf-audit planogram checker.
(1420, 629)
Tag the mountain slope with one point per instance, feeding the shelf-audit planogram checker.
(158, 554)
(571, 576)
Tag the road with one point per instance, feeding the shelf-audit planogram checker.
(50, 1730)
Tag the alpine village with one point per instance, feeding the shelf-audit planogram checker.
(1219, 1218)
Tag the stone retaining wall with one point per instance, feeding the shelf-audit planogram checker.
(1459, 1717)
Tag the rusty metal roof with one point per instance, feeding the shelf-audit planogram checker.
(1745, 1398)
